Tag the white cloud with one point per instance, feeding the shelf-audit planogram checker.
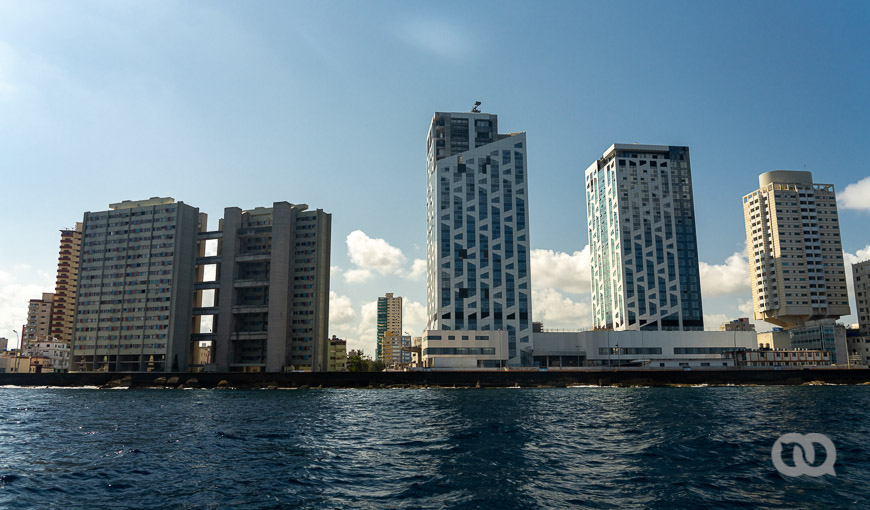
(418, 270)
(373, 256)
(413, 317)
(15, 295)
(358, 275)
(557, 311)
(563, 271)
(855, 196)
(728, 278)
(340, 309)
(714, 320)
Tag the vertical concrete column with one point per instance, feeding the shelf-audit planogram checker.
(225, 326)
(280, 278)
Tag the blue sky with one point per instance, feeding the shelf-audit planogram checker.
(328, 103)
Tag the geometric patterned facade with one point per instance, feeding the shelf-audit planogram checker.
(478, 267)
(641, 222)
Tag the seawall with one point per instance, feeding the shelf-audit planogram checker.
(483, 379)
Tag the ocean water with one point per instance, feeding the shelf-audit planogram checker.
(702, 447)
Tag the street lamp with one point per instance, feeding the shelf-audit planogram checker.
(17, 336)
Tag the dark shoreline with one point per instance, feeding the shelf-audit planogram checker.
(465, 379)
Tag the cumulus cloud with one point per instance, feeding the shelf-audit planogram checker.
(372, 257)
(340, 309)
(728, 278)
(563, 271)
(15, 295)
(413, 317)
(557, 311)
(714, 320)
(855, 196)
(418, 270)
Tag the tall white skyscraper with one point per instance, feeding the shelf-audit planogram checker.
(478, 234)
(641, 220)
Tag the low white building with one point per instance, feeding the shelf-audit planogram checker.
(655, 349)
(450, 349)
(55, 354)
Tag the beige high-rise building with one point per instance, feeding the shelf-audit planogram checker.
(64, 304)
(38, 326)
(795, 254)
(389, 319)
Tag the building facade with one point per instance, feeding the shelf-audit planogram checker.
(466, 349)
(135, 289)
(822, 335)
(741, 324)
(52, 353)
(861, 279)
(272, 307)
(397, 349)
(649, 349)
(478, 257)
(389, 321)
(38, 325)
(795, 253)
(641, 221)
(337, 355)
(64, 303)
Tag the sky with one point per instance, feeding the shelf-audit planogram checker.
(328, 103)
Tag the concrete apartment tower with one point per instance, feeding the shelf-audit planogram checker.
(64, 305)
(641, 220)
(478, 230)
(135, 288)
(38, 325)
(861, 278)
(389, 320)
(795, 254)
(272, 304)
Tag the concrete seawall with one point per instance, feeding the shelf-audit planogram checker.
(483, 379)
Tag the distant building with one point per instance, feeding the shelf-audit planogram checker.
(795, 253)
(4, 344)
(641, 222)
(136, 287)
(53, 354)
(537, 327)
(785, 358)
(64, 302)
(38, 326)
(337, 355)
(397, 349)
(741, 324)
(389, 321)
(478, 246)
(823, 335)
(861, 278)
(272, 309)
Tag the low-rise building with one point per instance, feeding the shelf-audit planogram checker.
(337, 359)
(784, 358)
(450, 349)
(654, 349)
(51, 354)
(741, 324)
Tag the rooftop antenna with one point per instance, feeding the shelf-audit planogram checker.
(474, 108)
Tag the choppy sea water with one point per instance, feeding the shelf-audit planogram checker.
(431, 448)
